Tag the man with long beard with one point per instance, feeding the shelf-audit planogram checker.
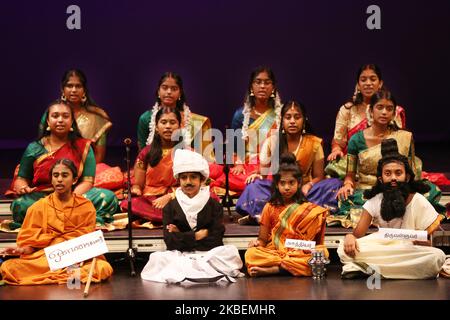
(396, 201)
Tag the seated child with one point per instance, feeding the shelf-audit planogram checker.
(193, 231)
(396, 201)
(287, 215)
(60, 216)
(154, 181)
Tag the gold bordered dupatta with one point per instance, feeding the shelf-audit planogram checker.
(368, 158)
(303, 222)
(262, 127)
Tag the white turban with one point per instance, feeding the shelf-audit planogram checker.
(189, 161)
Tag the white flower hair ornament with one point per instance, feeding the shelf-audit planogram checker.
(186, 131)
(247, 110)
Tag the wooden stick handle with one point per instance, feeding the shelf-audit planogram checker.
(88, 283)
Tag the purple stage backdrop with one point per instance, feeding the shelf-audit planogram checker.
(315, 49)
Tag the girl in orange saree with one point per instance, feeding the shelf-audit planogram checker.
(295, 137)
(286, 216)
(60, 216)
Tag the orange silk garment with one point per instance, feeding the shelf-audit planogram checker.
(303, 222)
(48, 222)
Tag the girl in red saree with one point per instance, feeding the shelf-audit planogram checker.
(61, 139)
(93, 123)
(154, 184)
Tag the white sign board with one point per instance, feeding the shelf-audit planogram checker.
(401, 234)
(300, 244)
(76, 250)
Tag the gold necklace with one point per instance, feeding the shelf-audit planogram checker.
(49, 145)
(257, 112)
(299, 144)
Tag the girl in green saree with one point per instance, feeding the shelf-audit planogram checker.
(195, 128)
(352, 117)
(61, 139)
(364, 151)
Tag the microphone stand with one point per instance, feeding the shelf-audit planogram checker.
(131, 252)
(227, 201)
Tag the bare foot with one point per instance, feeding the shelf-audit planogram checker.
(263, 271)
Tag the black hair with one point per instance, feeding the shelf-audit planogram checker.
(82, 77)
(69, 164)
(154, 155)
(282, 136)
(253, 75)
(288, 163)
(359, 97)
(72, 134)
(389, 151)
(381, 94)
(179, 82)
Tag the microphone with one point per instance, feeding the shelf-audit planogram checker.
(127, 141)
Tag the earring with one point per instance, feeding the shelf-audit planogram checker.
(71, 129)
(303, 131)
(282, 131)
(48, 128)
(273, 94)
(63, 97)
(251, 93)
(84, 99)
(179, 98)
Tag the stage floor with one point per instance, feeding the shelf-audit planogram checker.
(124, 287)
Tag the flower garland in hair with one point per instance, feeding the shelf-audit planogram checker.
(187, 137)
(368, 116)
(278, 107)
(151, 124)
(186, 124)
(247, 110)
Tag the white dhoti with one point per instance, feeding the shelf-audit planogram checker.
(393, 259)
(219, 264)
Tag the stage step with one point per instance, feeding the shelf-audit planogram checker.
(151, 240)
(5, 211)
